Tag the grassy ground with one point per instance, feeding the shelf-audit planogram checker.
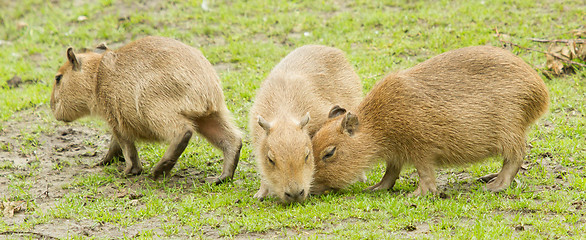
(48, 165)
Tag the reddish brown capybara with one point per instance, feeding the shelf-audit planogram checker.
(460, 107)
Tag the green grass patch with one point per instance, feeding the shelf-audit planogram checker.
(244, 40)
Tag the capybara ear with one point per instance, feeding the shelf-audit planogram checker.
(304, 120)
(336, 111)
(73, 59)
(102, 47)
(350, 124)
(264, 124)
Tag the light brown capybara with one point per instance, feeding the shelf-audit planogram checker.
(459, 107)
(290, 106)
(154, 88)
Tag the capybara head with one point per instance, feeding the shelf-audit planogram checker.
(71, 88)
(286, 158)
(340, 155)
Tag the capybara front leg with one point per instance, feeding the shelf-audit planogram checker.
(426, 180)
(220, 132)
(174, 151)
(133, 166)
(388, 181)
(113, 151)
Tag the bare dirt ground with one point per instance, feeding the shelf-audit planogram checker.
(65, 152)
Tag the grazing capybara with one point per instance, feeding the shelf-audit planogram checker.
(459, 107)
(154, 88)
(290, 106)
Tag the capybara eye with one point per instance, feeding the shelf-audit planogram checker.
(58, 78)
(329, 154)
(306, 157)
(271, 161)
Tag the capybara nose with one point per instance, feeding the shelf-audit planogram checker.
(295, 195)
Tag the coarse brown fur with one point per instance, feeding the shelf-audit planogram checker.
(290, 106)
(459, 107)
(155, 89)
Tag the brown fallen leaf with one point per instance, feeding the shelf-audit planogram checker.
(579, 33)
(9, 208)
(554, 64)
(21, 25)
(581, 53)
(567, 52)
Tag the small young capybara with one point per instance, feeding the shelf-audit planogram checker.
(290, 106)
(154, 88)
(459, 107)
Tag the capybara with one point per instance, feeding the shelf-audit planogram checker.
(154, 88)
(459, 107)
(290, 106)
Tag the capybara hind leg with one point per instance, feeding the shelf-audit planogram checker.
(388, 180)
(263, 191)
(133, 166)
(426, 180)
(113, 151)
(504, 178)
(218, 130)
(176, 148)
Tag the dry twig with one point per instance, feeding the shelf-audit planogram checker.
(535, 50)
(578, 41)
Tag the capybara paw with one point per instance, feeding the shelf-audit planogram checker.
(132, 171)
(497, 185)
(422, 191)
(363, 178)
(159, 171)
(105, 161)
(217, 180)
(373, 188)
(157, 174)
(261, 195)
(487, 178)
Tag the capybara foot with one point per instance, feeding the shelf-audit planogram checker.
(133, 170)
(497, 184)
(488, 178)
(163, 168)
(422, 191)
(261, 194)
(376, 187)
(363, 178)
(107, 162)
(218, 180)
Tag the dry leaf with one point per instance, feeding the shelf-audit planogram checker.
(9, 208)
(572, 46)
(554, 64)
(579, 33)
(581, 53)
(566, 53)
(21, 25)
